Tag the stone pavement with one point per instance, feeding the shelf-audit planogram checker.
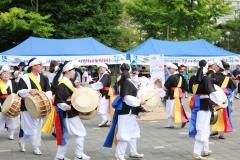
(157, 143)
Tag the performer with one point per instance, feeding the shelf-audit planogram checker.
(53, 68)
(226, 67)
(224, 123)
(125, 117)
(103, 85)
(175, 85)
(67, 121)
(134, 75)
(201, 111)
(18, 73)
(7, 87)
(28, 85)
(211, 70)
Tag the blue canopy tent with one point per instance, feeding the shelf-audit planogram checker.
(181, 51)
(86, 50)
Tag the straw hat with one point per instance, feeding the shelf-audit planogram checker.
(85, 99)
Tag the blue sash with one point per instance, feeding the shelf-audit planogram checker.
(193, 120)
(117, 105)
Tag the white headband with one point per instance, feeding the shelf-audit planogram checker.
(171, 65)
(219, 64)
(36, 62)
(103, 65)
(4, 68)
(71, 65)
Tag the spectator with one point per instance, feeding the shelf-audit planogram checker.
(18, 73)
(54, 66)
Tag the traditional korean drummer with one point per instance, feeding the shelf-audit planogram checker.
(103, 86)
(7, 87)
(125, 117)
(224, 122)
(203, 89)
(29, 84)
(175, 86)
(67, 121)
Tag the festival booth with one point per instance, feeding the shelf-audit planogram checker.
(181, 52)
(87, 51)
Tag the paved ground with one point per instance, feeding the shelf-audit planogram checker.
(157, 143)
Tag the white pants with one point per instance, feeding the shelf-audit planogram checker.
(11, 123)
(128, 127)
(62, 149)
(75, 130)
(33, 140)
(31, 128)
(104, 111)
(170, 111)
(122, 147)
(170, 107)
(128, 132)
(203, 132)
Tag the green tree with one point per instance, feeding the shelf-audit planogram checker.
(231, 35)
(178, 19)
(100, 19)
(17, 24)
(129, 33)
(81, 18)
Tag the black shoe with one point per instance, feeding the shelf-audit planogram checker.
(213, 134)
(221, 137)
(54, 134)
(183, 125)
(169, 127)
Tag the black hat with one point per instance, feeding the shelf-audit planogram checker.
(202, 63)
(125, 67)
(21, 64)
(225, 65)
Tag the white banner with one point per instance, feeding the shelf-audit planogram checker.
(157, 67)
(187, 61)
(84, 60)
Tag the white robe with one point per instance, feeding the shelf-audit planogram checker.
(170, 107)
(104, 110)
(30, 125)
(128, 127)
(73, 125)
(203, 126)
(11, 123)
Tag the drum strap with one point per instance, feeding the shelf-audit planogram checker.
(67, 84)
(195, 88)
(3, 87)
(176, 89)
(35, 81)
(179, 82)
(225, 82)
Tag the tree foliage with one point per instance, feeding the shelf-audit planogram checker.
(120, 24)
(18, 24)
(231, 40)
(178, 19)
(78, 18)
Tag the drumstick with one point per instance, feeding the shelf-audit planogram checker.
(151, 97)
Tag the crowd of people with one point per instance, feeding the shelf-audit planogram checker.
(206, 118)
(62, 80)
